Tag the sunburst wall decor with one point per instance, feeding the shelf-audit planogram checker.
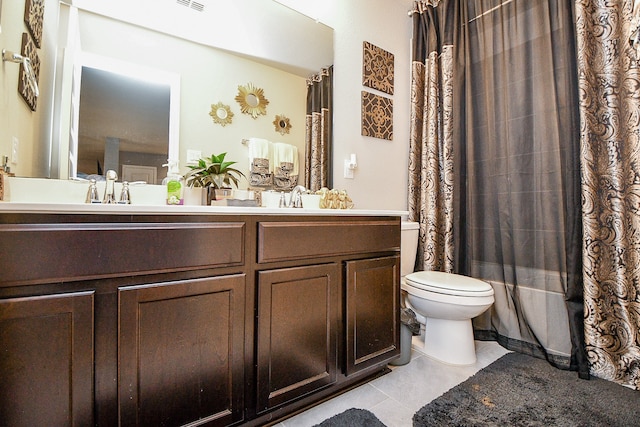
(252, 100)
(282, 124)
(377, 116)
(377, 68)
(221, 114)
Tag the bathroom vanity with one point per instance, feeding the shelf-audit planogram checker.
(191, 316)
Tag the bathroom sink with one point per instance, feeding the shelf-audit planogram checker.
(60, 191)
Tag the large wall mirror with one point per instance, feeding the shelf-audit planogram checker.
(195, 59)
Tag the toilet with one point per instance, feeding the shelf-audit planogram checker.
(444, 302)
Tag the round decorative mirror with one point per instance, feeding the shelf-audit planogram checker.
(252, 100)
(282, 124)
(221, 114)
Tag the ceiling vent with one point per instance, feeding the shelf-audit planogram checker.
(191, 4)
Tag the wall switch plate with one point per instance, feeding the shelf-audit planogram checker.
(193, 156)
(15, 148)
(348, 171)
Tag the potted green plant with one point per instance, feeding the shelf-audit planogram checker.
(213, 173)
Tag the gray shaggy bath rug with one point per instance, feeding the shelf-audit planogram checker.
(520, 390)
(352, 418)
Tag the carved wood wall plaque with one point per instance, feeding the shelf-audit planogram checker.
(24, 88)
(33, 17)
(377, 116)
(377, 68)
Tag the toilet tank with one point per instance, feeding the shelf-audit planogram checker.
(408, 246)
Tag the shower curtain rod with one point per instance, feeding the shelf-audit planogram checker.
(486, 12)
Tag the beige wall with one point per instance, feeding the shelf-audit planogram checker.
(380, 180)
(16, 118)
(207, 76)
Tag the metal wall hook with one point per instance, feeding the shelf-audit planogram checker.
(11, 56)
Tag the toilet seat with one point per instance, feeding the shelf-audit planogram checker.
(448, 284)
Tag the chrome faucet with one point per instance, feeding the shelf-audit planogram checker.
(295, 198)
(109, 189)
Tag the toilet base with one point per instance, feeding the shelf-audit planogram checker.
(450, 341)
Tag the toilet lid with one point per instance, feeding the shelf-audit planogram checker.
(447, 283)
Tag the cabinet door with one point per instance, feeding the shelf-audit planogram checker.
(181, 352)
(298, 312)
(46, 360)
(373, 312)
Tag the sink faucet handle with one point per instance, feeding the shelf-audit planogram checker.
(125, 195)
(298, 201)
(92, 193)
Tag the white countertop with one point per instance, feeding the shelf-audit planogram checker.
(37, 195)
(82, 208)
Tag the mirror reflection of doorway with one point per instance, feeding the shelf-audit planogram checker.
(134, 173)
(123, 121)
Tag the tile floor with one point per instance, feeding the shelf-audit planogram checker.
(396, 396)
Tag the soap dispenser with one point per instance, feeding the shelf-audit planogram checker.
(174, 183)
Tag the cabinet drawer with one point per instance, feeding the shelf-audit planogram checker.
(60, 252)
(280, 241)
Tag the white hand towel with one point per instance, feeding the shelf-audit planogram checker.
(261, 149)
(285, 153)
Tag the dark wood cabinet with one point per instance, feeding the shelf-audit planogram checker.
(372, 316)
(297, 333)
(46, 360)
(201, 319)
(181, 352)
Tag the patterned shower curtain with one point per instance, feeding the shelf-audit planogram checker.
(431, 143)
(610, 152)
(319, 130)
(494, 177)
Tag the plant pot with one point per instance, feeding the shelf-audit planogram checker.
(218, 194)
(195, 196)
(224, 193)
